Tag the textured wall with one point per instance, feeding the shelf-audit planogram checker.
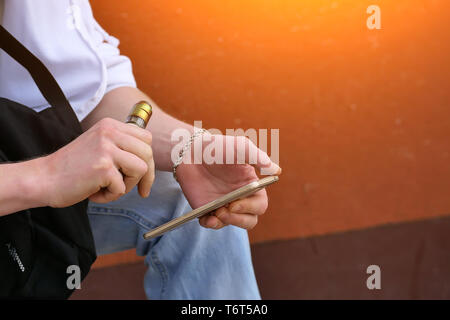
(364, 116)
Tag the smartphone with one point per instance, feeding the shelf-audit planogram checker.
(242, 192)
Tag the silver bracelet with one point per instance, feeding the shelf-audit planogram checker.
(183, 150)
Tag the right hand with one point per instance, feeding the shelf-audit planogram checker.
(102, 164)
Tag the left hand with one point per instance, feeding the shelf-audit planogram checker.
(202, 183)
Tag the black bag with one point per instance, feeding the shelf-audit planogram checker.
(38, 245)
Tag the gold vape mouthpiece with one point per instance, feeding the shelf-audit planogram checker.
(140, 114)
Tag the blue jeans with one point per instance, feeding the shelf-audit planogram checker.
(187, 263)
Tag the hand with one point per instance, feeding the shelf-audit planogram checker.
(102, 164)
(202, 183)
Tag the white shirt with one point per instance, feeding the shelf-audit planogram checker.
(63, 34)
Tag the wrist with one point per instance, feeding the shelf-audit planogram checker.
(35, 182)
(23, 186)
(166, 140)
(188, 152)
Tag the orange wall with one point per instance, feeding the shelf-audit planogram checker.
(364, 116)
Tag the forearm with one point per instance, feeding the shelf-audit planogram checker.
(21, 185)
(117, 103)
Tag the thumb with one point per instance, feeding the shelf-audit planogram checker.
(263, 162)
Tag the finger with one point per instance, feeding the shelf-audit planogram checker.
(115, 184)
(211, 222)
(242, 220)
(103, 196)
(111, 189)
(217, 213)
(147, 180)
(111, 127)
(139, 133)
(132, 167)
(263, 161)
(253, 204)
(133, 145)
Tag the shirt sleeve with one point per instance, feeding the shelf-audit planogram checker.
(119, 71)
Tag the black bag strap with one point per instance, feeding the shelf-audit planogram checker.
(41, 75)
